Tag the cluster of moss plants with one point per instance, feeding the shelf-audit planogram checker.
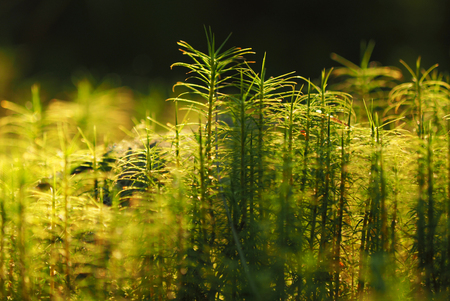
(261, 188)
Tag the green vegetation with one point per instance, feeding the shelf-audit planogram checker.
(260, 188)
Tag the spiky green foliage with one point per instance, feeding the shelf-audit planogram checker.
(268, 188)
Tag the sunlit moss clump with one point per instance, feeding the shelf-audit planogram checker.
(260, 188)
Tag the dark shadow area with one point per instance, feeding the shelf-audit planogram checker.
(133, 43)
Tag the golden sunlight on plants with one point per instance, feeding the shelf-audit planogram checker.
(260, 188)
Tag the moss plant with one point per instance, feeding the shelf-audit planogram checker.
(266, 188)
(367, 82)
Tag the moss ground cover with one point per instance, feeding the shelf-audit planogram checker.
(260, 188)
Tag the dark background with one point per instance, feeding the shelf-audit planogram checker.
(133, 42)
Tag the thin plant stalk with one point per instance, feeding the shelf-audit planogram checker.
(66, 169)
(24, 280)
(340, 213)
(53, 251)
(430, 253)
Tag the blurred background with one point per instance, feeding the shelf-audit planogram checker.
(132, 43)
